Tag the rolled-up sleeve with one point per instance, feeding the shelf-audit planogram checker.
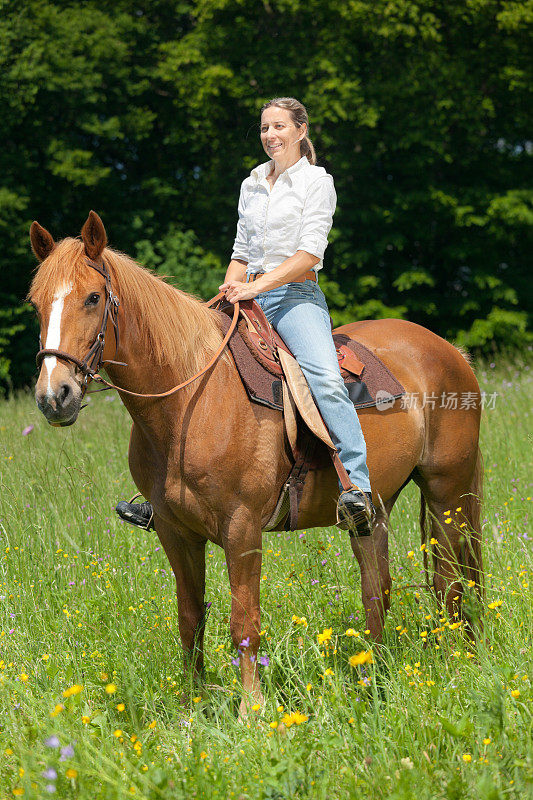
(317, 216)
(240, 245)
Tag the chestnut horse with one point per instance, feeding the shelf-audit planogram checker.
(213, 464)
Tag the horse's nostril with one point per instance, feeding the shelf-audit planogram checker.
(64, 394)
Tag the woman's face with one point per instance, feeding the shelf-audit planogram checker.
(279, 135)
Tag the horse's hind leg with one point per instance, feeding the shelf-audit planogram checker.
(372, 554)
(453, 498)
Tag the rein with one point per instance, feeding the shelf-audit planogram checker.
(94, 359)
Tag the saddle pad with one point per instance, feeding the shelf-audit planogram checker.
(376, 386)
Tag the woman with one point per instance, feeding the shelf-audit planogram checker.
(286, 208)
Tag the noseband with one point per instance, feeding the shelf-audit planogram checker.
(94, 359)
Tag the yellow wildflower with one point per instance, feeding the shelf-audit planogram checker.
(152, 724)
(111, 688)
(72, 690)
(487, 740)
(467, 758)
(85, 719)
(325, 636)
(515, 693)
(71, 773)
(364, 657)
(203, 755)
(495, 604)
(351, 632)
(121, 707)
(294, 718)
(117, 733)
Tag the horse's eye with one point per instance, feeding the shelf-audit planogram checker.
(93, 299)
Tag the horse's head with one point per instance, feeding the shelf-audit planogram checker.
(69, 298)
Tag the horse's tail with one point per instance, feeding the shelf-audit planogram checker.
(472, 558)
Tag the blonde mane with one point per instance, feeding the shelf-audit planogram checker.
(174, 327)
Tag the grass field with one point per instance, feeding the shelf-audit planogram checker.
(93, 703)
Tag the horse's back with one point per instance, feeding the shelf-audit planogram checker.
(419, 358)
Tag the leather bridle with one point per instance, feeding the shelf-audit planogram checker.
(93, 361)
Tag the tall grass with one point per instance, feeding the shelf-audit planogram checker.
(88, 611)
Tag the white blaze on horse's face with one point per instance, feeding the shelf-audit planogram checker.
(53, 335)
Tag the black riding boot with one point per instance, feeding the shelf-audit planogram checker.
(140, 514)
(355, 512)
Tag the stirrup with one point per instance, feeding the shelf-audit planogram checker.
(356, 517)
(137, 516)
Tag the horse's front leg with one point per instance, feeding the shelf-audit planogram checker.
(187, 559)
(242, 545)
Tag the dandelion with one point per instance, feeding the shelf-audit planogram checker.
(364, 657)
(117, 733)
(85, 719)
(121, 707)
(467, 758)
(256, 707)
(71, 773)
(73, 690)
(111, 688)
(295, 718)
(24, 677)
(487, 740)
(325, 636)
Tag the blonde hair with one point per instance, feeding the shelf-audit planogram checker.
(299, 116)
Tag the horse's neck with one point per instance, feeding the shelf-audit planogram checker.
(144, 377)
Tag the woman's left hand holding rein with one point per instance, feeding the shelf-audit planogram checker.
(236, 291)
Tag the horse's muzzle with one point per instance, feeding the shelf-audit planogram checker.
(60, 405)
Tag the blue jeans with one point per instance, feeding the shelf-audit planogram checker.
(299, 313)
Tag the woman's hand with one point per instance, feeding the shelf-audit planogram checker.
(237, 291)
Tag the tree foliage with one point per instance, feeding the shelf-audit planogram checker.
(148, 113)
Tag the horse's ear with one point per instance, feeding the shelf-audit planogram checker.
(94, 236)
(42, 242)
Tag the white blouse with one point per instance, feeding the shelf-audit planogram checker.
(296, 214)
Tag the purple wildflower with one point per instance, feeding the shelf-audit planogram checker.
(252, 659)
(324, 562)
(264, 661)
(66, 752)
(245, 643)
(50, 788)
(52, 741)
(50, 774)
(27, 430)
(235, 661)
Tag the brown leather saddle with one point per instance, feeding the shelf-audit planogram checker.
(265, 341)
